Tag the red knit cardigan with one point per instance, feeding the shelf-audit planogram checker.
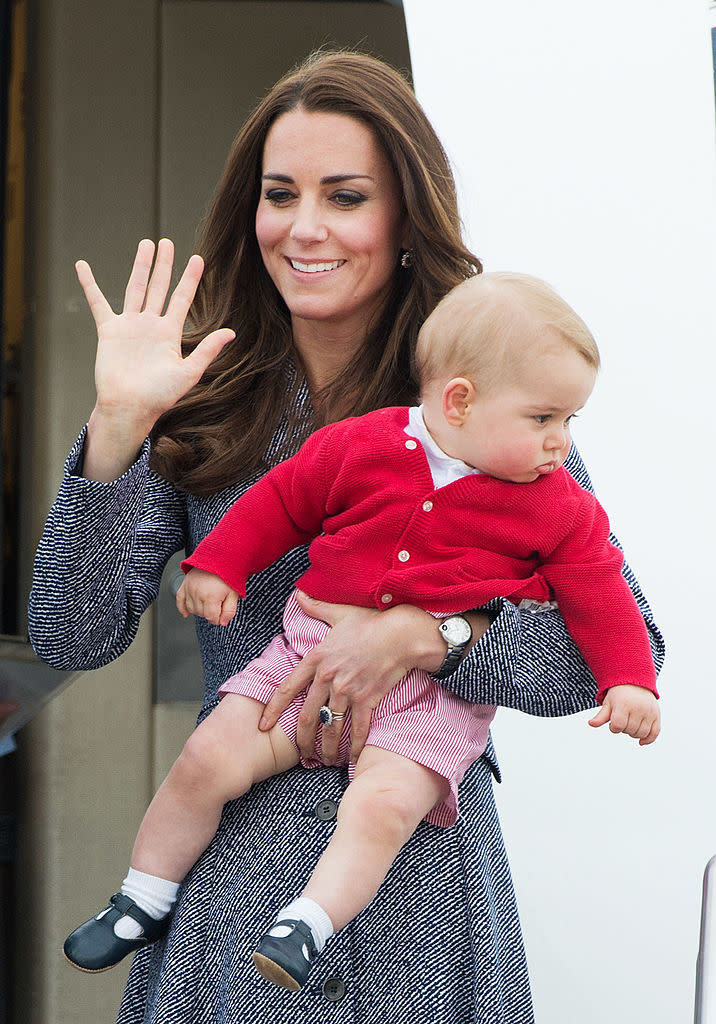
(361, 493)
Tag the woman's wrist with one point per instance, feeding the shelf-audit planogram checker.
(417, 633)
(112, 444)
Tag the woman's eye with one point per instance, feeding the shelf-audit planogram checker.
(278, 196)
(344, 198)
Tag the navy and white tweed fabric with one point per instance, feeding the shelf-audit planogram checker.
(441, 942)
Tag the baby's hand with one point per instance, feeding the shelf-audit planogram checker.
(204, 594)
(630, 709)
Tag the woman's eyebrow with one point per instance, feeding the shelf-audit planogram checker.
(331, 179)
(334, 179)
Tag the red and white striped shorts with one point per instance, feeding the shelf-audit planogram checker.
(418, 718)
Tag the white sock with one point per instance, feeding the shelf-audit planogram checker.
(155, 896)
(308, 911)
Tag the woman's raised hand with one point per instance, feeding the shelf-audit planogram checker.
(140, 371)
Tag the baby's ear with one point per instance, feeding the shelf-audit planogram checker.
(458, 396)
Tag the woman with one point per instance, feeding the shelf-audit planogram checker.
(333, 234)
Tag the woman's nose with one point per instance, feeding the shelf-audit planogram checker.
(308, 224)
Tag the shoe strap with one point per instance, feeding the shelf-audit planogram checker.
(128, 908)
(302, 929)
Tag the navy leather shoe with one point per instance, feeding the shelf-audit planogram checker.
(286, 959)
(95, 947)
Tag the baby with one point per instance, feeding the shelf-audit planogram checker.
(445, 506)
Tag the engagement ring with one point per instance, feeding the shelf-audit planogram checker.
(328, 717)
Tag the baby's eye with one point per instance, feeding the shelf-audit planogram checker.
(348, 198)
(278, 196)
(542, 418)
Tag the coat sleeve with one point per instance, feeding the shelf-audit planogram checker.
(283, 510)
(530, 662)
(99, 562)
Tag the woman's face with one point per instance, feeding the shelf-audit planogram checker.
(329, 223)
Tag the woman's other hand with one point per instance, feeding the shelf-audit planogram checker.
(361, 659)
(140, 371)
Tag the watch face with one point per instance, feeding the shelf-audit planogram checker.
(456, 630)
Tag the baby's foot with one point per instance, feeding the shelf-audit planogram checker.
(285, 954)
(96, 946)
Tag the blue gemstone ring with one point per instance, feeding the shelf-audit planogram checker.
(328, 717)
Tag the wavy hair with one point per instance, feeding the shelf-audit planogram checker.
(220, 431)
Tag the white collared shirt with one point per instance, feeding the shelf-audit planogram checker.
(443, 467)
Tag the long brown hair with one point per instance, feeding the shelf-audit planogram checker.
(220, 431)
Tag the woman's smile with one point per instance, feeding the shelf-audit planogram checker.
(315, 267)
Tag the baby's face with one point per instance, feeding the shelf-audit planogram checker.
(519, 430)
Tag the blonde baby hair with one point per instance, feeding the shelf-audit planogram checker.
(485, 327)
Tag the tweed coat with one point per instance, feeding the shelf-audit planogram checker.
(441, 942)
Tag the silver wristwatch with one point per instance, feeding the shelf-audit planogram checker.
(457, 634)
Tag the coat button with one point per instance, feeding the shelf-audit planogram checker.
(326, 810)
(403, 556)
(411, 444)
(427, 506)
(334, 989)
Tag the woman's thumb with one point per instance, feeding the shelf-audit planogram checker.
(314, 608)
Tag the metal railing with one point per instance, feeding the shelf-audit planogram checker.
(705, 1003)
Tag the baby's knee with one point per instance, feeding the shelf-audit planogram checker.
(382, 807)
(200, 760)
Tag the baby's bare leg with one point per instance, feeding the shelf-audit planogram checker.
(380, 810)
(221, 760)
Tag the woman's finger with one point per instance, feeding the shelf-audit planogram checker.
(331, 736)
(308, 721)
(99, 307)
(161, 277)
(136, 290)
(323, 610)
(207, 350)
(360, 726)
(300, 678)
(183, 295)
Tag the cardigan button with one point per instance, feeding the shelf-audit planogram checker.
(427, 506)
(411, 444)
(403, 555)
(387, 598)
(334, 989)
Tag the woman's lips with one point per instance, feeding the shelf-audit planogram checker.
(315, 266)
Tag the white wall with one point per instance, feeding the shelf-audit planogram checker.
(583, 140)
